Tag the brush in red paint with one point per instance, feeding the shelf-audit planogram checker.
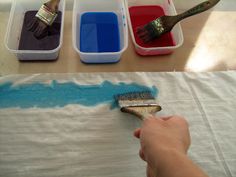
(164, 24)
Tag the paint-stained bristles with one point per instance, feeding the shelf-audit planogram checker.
(145, 95)
(152, 30)
(133, 99)
(140, 104)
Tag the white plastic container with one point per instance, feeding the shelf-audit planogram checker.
(15, 23)
(115, 6)
(169, 9)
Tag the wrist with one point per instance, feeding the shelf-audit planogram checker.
(166, 159)
(171, 162)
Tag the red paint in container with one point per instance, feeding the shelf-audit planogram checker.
(141, 15)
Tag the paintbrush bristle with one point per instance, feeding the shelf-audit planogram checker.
(39, 28)
(43, 19)
(135, 95)
(153, 30)
(136, 99)
(140, 104)
(41, 31)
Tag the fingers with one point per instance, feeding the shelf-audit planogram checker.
(137, 133)
(166, 118)
(141, 154)
(176, 119)
(150, 172)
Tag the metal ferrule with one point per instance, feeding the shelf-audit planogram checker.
(157, 24)
(131, 103)
(45, 15)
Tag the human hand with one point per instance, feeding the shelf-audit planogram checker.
(159, 136)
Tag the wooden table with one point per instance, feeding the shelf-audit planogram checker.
(209, 45)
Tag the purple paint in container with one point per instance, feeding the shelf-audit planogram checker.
(22, 43)
(49, 42)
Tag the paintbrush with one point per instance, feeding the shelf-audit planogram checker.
(140, 104)
(44, 19)
(164, 24)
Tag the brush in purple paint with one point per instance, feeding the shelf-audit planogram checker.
(44, 18)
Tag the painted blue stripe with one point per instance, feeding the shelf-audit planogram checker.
(61, 94)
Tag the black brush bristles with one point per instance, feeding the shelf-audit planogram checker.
(44, 18)
(153, 30)
(39, 28)
(135, 96)
(140, 104)
(132, 99)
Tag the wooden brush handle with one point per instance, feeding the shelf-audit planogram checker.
(198, 9)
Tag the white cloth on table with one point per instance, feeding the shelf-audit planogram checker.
(80, 141)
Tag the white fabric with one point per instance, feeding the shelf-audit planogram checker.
(79, 141)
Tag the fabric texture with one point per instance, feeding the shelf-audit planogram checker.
(97, 141)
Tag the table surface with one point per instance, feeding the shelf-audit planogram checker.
(209, 45)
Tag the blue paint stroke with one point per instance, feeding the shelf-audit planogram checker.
(61, 94)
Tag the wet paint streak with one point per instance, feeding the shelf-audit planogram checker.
(61, 94)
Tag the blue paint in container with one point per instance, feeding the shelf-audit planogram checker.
(99, 32)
